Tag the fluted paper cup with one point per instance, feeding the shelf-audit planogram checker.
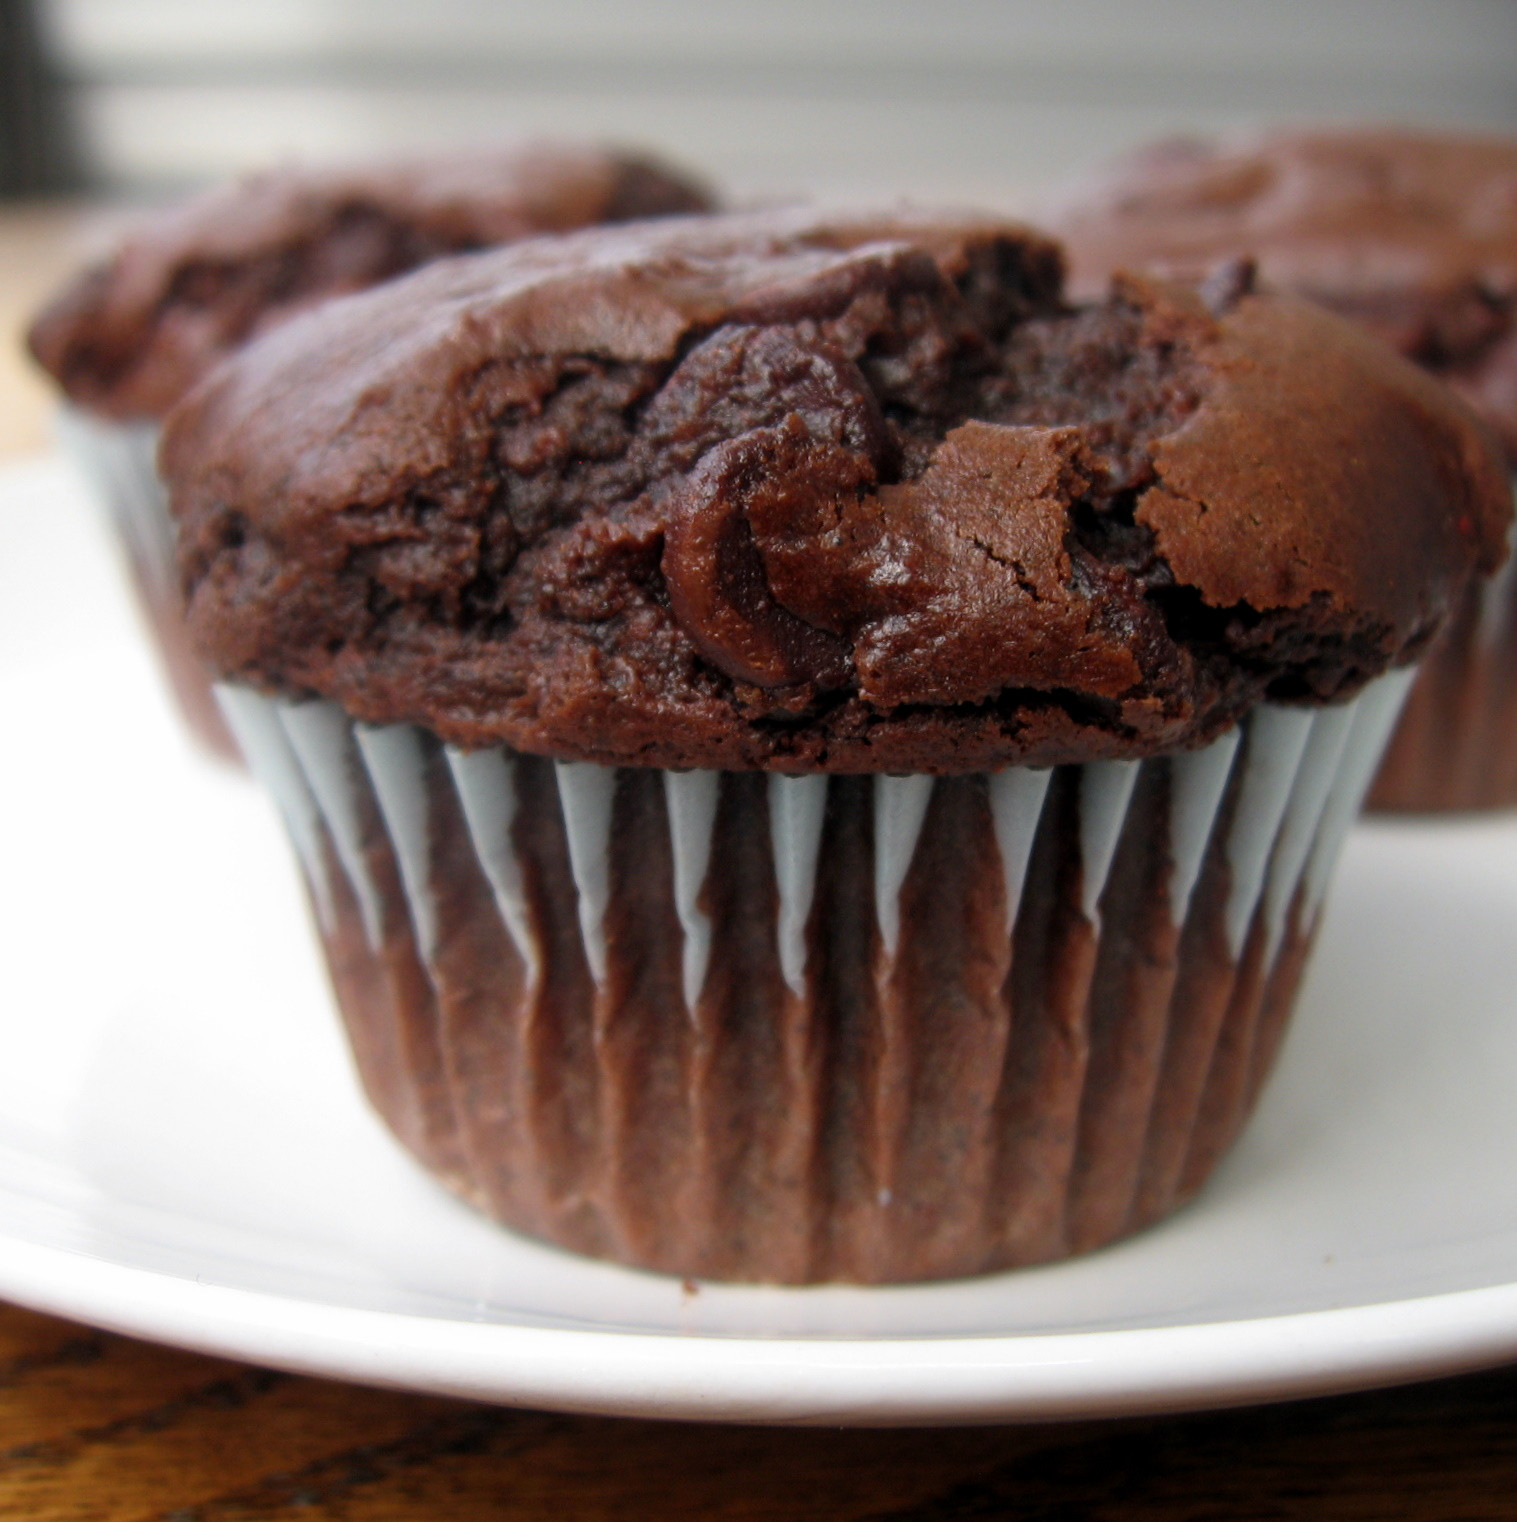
(119, 460)
(802, 1028)
(1455, 747)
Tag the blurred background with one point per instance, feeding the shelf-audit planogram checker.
(109, 104)
(941, 98)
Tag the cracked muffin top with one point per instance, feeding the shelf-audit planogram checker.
(1412, 234)
(820, 493)
(129, 336)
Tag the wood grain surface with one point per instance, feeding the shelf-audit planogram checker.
(96, 1428)
(99, 1427)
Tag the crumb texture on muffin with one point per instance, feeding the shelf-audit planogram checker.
(819, 493)
(1413, 234)
(130, 335)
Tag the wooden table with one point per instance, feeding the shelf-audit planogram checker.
(95, 1427)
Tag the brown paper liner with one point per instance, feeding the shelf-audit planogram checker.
(1456, 746)
(118, 460)
(981, 1101)
(188, 679)
(1455, 749)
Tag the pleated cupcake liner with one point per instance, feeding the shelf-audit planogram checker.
(1455, 748)
(119, 460)
(792, 1029)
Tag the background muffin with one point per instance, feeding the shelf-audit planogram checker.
(129, 336)
(1414, 236)
(814, 758)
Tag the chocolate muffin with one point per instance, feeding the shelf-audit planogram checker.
(1414, 236)
(815, 758)
(127, 337)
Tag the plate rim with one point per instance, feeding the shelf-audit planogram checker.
(874, 1381)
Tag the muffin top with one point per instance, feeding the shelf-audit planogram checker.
(808, 492)
(1412, 234)
(128, 337)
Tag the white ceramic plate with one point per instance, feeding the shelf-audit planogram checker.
(184, 1155)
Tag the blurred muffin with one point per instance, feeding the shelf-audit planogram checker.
(1413, 235)
(814, 758)
(127, 337)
